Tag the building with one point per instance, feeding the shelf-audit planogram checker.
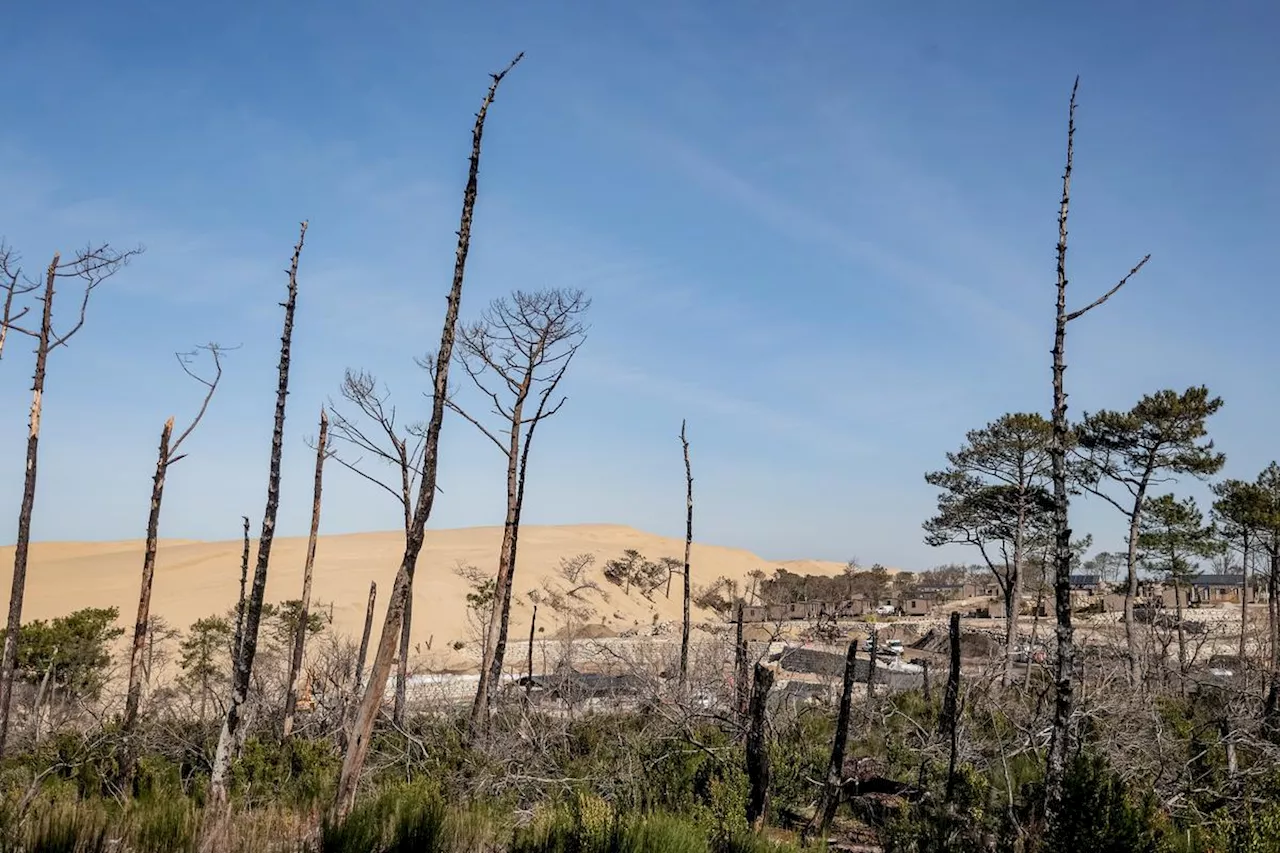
(1222, 589)
(1089, 584)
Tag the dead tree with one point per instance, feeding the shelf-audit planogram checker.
(402, 663)
(516, 355)
(243, 669)
(13, 285)
(688, 548)
(533, 624)
(364, 638)
(358, 744)
(835, 768)
(168, 455)
(741, 675)
(951, 704)
(238, 640)
(871, 664)
(92, 267)
(758, 769)
(1062, 552)
(385, 442)
(304, 608)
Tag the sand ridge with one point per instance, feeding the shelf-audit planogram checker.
(195, 579)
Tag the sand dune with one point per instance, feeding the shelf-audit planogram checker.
(196, 579)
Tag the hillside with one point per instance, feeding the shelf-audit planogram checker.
(196, 579)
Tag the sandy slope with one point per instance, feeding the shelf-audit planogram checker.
(196, 579)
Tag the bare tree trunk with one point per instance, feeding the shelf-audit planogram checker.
(758, 770)
(741, 675)
(951, 704)
(304, 609)
(533, 624)
(1013, 599)
(926, 688)
(1065, 688)
(1271, 706)
(1131, 591)
(364, 638)
(871, 665)
(835, 768)
(688, 548)
(1244, 598)
(22, 546)
(496, 632)
(238, 642)
(134, 696)
(402, 663)
(1035, 629)
(231, 725)
(358, 746)
(37, 710)
(1182, 635)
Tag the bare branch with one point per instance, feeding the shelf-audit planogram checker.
(92, 267)
(1074, 315)
(215, 352)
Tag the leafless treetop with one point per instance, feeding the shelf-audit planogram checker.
(91, 265)
(375, 434)
(521, 343)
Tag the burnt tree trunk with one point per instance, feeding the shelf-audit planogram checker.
(926, 687)
(871, 665)
(758, 769)
(835, 768)
(134, 696)
(533, 625)
(741, 674)
(1063, 677)
(402, 662)
(364, 639)
(688, 548)
(304, 610)
(951, 704)
(231, 725)
(358, 745)
(1244, 598)
(22, 545)
(500, 616)
(238, 642)
(1131, 590)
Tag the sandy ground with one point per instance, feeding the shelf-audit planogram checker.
(196, 579)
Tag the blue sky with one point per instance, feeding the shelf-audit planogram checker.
(825, 237)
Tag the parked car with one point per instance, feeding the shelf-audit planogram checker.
(886, 610)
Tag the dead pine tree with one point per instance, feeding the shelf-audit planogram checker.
(401, 701)
(516, 355)
(364, 638)
(374, 433)
(238, 639)
(758, 768)
(826, 811)
(167, 456)
(741, 676)
(688, 549)
(362, 728)
(91, 267)
(951, 704)
(528, 685)
(304, 608)
(1064, 674)
(252, 612)
(13, 285)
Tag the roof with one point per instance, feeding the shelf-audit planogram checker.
(1085, 580)
(1218, 580)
